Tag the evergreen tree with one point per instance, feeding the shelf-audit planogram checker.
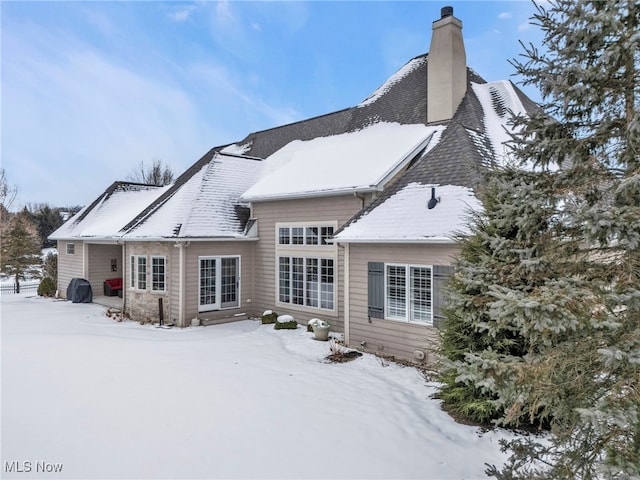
(574, 314)
(46, 219)
(582, 368)
(20, 251)
(508, 253)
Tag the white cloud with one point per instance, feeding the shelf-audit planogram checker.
(524, 26)
(76, 118)
(182, 14)
(504, 15)
(74, 121)
(224, 13)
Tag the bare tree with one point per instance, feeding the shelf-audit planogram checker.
(157, 173)
(7, 192)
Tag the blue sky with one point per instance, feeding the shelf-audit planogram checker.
(91, 89)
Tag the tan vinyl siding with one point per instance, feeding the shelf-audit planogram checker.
(390, 337)
(244, 250)
(338, 210)
(69, 266)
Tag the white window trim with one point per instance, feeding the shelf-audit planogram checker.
(313, 254)
(218, 305)
(134, 280)
(73, 248)
(407, 308)
(304, 226)
(150, 272)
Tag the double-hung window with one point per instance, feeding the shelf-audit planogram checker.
(408, 293)
(138, 272)
(158, 274)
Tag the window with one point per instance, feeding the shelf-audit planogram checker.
(138, 275)
(307, 282)
(311, 235)
(312, 283)
(284, 236)
(326, 234)
(219, 283)
(420, 301)
(408, 293)
(305, 235)
(297, 236)
(158, 274)
(142, 273)
(326, 284)
(396, 292)
(284, 279)
(71, 248)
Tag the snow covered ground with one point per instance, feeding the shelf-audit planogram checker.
(101, 399)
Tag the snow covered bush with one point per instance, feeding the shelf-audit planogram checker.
(285, 322)
(269, 317)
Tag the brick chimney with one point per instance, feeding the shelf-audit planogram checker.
(446, 67)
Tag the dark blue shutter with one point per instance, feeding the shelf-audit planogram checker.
(441, 274)
(376, 289)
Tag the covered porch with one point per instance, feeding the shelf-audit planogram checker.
(104, 261)
(114, 303)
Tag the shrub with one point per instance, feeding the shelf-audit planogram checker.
(47, 287)
(269, 317)
(50, 265)
(285, 322)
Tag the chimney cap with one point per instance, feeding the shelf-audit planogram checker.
(446, 12)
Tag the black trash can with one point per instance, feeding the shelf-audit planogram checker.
(79, 291)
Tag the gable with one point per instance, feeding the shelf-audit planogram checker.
(110, 212)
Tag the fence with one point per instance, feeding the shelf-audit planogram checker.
(9, 288)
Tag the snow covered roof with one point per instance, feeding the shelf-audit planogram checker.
(350, 162)
(109, 212)
(384, 138)
(202, 203)
(499, 101)
(473, 138)
(205, 205)
(405, 216)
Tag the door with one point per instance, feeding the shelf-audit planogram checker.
(229, 282)
(219, 283)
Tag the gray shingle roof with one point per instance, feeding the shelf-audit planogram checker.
(462, 150)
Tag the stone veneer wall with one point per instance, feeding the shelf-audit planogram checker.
(143, 305)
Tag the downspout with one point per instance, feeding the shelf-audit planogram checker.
(125, 265)
(346, 295)
(355, 194)
(181, 276)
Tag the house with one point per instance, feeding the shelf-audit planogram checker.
(347, 217)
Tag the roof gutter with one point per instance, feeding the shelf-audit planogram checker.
(316, 194)
(157, 239)
(426, 241)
